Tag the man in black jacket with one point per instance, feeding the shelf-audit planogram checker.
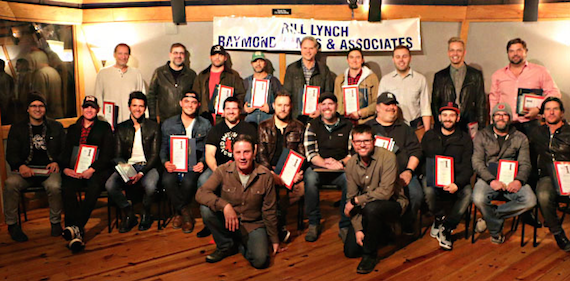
(168, 83)
(551, 142)
(137, 143)
(408, 153)
(461, 84)
(88, 130)
(450, 142)
(36, 142)
(307, 71)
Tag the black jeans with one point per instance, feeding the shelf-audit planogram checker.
(180, 194)
(376, 217)
(548, 202)
(79, 213)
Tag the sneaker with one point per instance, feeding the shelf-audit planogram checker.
(219, 255)
(562, 241)
(435, 227)
(444, 238)
(481, 225)
(56, 229)
(366, 265)
(76, 245)
(342, 233)
(70, 232)
(284, 235)
(313, 233)
(17, 234)
(500, 239)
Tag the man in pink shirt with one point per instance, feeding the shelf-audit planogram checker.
(521, 74)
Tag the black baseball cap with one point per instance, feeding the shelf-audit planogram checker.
(387, 98)
(217, 49)
(450, 106)
(90, 101)
(327, 95)
(190, 94)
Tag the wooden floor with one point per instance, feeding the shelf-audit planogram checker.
(171, 255)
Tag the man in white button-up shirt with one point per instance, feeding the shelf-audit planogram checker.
(410, 88)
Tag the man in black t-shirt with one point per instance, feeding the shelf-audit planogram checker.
(36, 142)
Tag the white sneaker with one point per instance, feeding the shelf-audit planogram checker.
(481, 226)
(444, 238)
(435, 227)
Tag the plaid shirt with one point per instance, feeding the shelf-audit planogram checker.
(85, 133)
(308, 72)
(354, 81)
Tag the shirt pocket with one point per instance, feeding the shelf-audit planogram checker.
(230, 194)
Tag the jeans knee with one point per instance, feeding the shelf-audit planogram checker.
(12, 184)
(260, 262)
(207, 213)
(479, 198)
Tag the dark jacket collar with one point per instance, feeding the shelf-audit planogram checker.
(316, 71)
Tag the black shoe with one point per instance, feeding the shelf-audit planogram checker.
(529, 218)
(562, 241)
(71, 232)
(128, 223)
(146, 222)
(219, 255)
(205, 232)
(56, 229)
(76, 245)
(408, 228)
(17, 234)
(366, 265)
(284, 235)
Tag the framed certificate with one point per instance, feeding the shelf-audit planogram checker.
(562, 174)
(85, 157)
(310, 99)
(351, 99)
(224, 92)
(384, 142)
(507, 171)
(473, 129)
(42, 171)
(524, 104)
(179, 153)
(443, 171)
(259, 92)
(292, 166)
(109, 113)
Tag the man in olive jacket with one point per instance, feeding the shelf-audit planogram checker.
(218, 73)
(239, 206)
(168, 83)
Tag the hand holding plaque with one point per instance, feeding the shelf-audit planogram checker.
(507, 171)
(351, 99)
(562, 177)
(443, 171)
(179, 153)
(224, 92)
(259, 92)
(291, 168)
(85, 157)
(310, 99)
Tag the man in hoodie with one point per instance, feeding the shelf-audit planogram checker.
(357, 74)
(448, 140)
(501, 141)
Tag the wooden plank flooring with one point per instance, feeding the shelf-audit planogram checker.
(171, 255)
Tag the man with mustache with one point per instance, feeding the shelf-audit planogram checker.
(448, 140)
(410, 88)
(87, 130)
(551, 142)
(169, 82)
(275, 134)
(327, 146)
(208, 80)
(521, 74)
(408, 153)
(501, 141)
(260, 67)
(463, 85)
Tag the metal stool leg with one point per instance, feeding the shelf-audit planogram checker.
(301, 213)
(474, 221)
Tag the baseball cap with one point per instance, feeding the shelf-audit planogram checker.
(387, 98)
(90, 101)
(217, 49)
(257, 55)
(190, 94)
(327, 95)
(450, 106)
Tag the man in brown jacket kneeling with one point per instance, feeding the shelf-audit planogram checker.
(244, 214)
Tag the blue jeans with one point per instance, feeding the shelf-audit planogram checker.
(415, 194)
(180, 187)
(461, 200)
(312, 181)
(115, 185)
(517, 203)
(253, 245)
(204, 176)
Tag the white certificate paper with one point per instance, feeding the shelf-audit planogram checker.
(507, 171)
(384, 142)
(259, 92)
(532, 101)
(310, 99)
(292, 166)
(443, 171)
(562, 171)
(179, 153)
(351, 100)
(85, 157)
(109, 113)
(224, 92)
(473, 129)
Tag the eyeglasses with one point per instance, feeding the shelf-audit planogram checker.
(360, 142)
(502, 115)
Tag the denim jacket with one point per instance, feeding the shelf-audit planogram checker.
(174, 126)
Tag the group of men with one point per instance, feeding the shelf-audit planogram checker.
(372, 154)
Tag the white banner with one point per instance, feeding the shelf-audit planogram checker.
(285, 34)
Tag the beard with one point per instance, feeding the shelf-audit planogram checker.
(448, 127)
(502, 129)
(284, 119)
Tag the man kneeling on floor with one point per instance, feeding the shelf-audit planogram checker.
(375, 199)
(244, 213)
